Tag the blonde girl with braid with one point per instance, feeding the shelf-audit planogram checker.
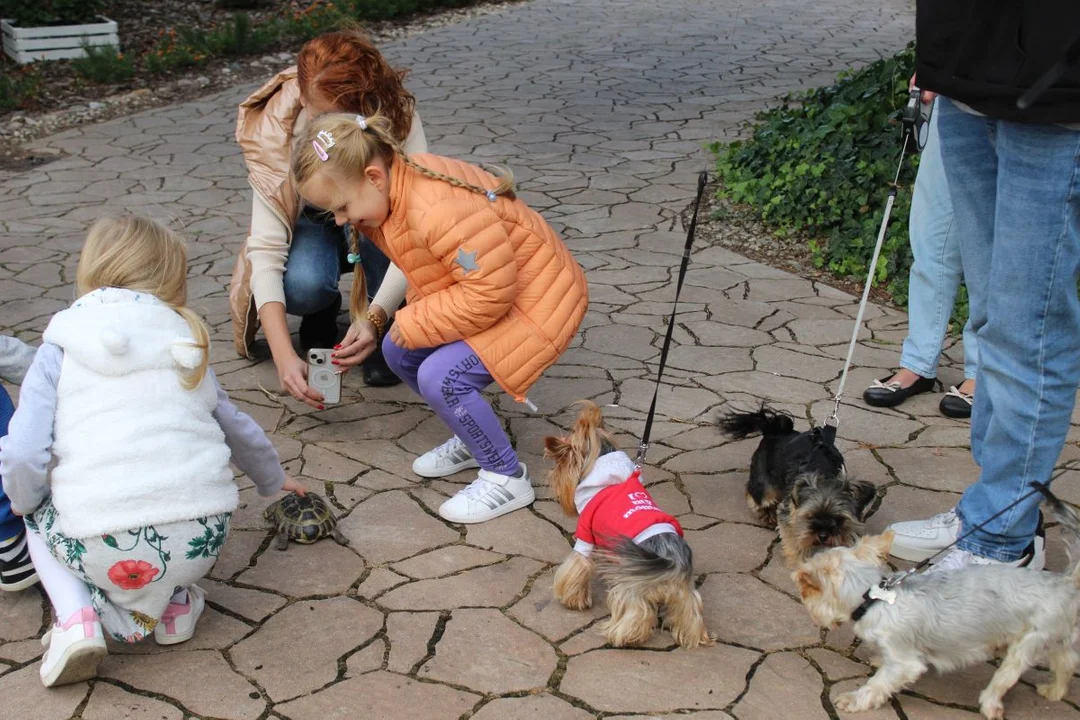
(493, 294)
(138, 504)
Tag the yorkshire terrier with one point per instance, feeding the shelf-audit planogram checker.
(639, 550)
(799, 484)
(950, 619)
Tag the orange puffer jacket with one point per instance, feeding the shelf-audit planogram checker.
(493, 274)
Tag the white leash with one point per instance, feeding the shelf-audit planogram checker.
(915, 120)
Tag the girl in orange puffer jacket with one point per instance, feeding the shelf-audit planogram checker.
(493, 293)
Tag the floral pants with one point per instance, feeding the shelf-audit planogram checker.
(132, 575)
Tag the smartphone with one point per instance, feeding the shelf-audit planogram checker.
(323, 376)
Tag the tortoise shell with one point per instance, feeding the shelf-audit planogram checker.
(304, 519)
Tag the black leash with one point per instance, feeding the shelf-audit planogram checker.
(884, 589)
(643, 449)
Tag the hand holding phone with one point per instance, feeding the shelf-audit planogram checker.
(323, 377)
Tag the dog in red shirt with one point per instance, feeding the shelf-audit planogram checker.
(637, 548)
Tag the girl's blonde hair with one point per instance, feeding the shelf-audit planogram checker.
(137, 253)
(355, 146)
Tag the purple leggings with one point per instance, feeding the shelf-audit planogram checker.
(450, 378)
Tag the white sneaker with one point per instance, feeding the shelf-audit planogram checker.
(449, 458)
(75, 649)
(917, 540)
(1034, 557)
(488, 497)
(178, 622)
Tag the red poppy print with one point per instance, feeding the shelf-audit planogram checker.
(132, 574)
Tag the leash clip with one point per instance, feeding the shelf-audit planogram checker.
(834, 418)
(643, 450)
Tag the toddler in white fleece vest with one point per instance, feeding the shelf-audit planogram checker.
(141, 496)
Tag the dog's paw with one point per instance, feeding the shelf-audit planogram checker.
(990, 706)
(1051, 691)
(859, 700)
(850, 702)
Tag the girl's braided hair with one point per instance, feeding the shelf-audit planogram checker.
(348, 144)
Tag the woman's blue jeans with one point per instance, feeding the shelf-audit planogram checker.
(936, 271)
(317, 258)
(1015, 189)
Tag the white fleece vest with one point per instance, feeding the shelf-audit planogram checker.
(132, 446)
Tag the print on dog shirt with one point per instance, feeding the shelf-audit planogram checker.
(620, 511)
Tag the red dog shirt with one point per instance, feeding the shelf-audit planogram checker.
(625, 510)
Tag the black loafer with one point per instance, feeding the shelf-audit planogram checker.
(956, 404)
(885, 394)
(377, 373)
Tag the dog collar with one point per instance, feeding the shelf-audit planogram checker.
(882, 591)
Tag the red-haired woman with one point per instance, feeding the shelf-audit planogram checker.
(294, 256)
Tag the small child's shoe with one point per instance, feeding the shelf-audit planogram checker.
(16, 568)
(489, 496)
(75, 649)
(179, 620)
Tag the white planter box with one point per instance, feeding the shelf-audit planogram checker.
(25, 45)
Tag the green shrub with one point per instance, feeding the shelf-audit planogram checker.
(33, 13)
(18, 85)
(821, 165)
(316, 19)
(104, 64)
(385, 9)
(241, 4)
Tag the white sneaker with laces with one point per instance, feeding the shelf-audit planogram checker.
(1034, 558)
(917, 540)
(488, 497)
(178, 622)
(74, 649)
(449, 458)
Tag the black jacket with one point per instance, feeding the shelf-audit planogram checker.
(986, 53)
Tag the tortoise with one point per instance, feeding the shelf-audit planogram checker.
(304, 520)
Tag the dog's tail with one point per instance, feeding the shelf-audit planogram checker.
(765, 421)
(657, 560)
(1069, 520)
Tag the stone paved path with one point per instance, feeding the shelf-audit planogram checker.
(601, 108)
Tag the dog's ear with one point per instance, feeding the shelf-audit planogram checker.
(874, 548)
(807, 584)
(804, 482)
(863, 494)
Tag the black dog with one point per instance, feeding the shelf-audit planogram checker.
(786, 459)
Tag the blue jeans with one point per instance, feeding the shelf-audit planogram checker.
(1015, 189)
(10, 525)
(936, 271)
(317, 260)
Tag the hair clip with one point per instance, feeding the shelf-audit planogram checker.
(362, 122)
(492, 195)
(323, 142)
(353, 258)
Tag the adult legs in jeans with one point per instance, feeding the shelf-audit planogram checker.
(312, 272)
(934, 279)
(937, 270)
(1016, 195)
